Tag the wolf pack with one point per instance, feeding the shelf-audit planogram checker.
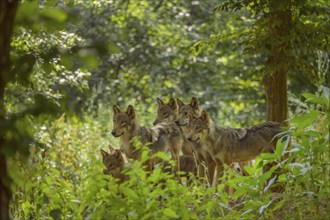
(197, 145)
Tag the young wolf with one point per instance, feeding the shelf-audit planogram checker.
(114, 161)
(162, 137)
(168, 112)
(228, 145)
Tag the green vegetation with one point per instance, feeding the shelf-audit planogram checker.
(71, 60)
(64, 178)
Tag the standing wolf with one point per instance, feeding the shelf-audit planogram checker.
(183, 120)
(177, 111)
(228, 145)
(162, 137)
(168, 113)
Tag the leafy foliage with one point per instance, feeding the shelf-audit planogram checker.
(307, 36)
(87, 55)
(65, 179)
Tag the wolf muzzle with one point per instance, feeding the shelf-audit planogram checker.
(114, 133)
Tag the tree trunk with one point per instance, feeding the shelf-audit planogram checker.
(278, 60)
(277, 96)
(7, 15)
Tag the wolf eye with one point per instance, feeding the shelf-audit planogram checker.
(123, 123)
(165, 115)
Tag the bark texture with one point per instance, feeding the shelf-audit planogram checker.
(278, 60)
(8, 10)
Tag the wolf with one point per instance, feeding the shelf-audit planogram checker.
(166, 137)
(193, 108)
(177, 111)
(183, 120)
(228, 145)
(114, 161)
(168, 113)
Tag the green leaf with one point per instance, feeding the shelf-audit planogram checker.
(144, 156)
(250, 170)
(155, 175)
(279, 205)
(54, 14)
(267, 156)
(28, 10)
(162, 155)
(305, 120)
(129, 192)
(312, 98)
(170, 213)
(26, 206)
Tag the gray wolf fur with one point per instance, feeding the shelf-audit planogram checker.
(168, 113)
(166, 137)
(228, 145)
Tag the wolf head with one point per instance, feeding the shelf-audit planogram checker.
(114, 161)
(199, 127)
(123, 122)
(167, 112)
(192, 108)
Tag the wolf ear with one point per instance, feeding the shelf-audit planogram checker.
(130, 112)
(104, 153)
(111, 148)
(115, 109)
(194, 103)
(180, 103)
(172, 103)
(160, 102)
(205, 117)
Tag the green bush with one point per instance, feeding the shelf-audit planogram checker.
(63, 178)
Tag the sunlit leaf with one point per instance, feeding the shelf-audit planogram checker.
(305, 120)
(55, 14)
(162, 155)
(312, 98)
(170, 213)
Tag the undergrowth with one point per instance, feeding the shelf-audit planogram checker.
(63, 178)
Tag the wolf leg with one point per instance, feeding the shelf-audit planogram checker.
(219, 172)
(210, 172)
(200, 170)
(175, 157)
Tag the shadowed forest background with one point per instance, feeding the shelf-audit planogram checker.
(65, 63)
